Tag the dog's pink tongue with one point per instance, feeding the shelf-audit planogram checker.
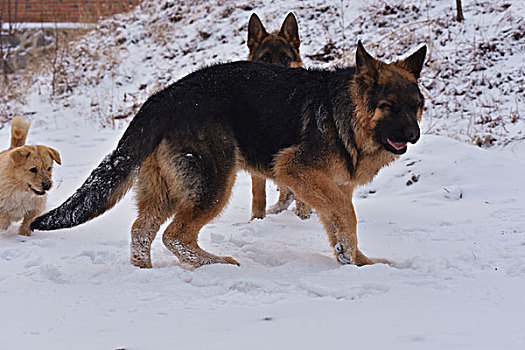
(397, 145)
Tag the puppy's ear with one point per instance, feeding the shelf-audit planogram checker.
(290, 31)
(256, 32)
(54, 155)
(19, 155)
(414, 63)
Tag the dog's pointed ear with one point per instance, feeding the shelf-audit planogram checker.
(290, 31)
(54, 155)
(414, 63)
(256, 32)
(363, 60)
(19, 155)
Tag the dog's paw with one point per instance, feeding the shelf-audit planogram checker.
(258, 215)
(340, 254)
(302, 210)
(278, 207)
(24, 231)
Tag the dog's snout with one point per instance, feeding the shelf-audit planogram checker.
(46, 184)
(412, 134)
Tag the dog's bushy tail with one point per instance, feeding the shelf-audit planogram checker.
(110, 181)
(19, 131)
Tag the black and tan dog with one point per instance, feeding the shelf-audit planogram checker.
(282, 49)
(318, 132)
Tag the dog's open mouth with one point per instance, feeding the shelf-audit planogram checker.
(37, 192)
(397, 145)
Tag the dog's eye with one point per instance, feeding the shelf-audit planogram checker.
(266, 58)
(285, 60)
(33, 170)
(384, 105)
(49, 169)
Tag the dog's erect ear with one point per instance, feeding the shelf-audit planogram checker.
(290, 31)
(19, 155)
(256, 32)
(363, 60)
(414, 63)
(54, 155)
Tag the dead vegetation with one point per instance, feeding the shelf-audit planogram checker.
(470, 95)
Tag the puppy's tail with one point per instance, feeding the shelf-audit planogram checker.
(19, 131)
(110, 181)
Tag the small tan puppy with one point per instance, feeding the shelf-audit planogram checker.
(25, 176)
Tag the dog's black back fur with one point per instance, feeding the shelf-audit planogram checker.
(265, 105)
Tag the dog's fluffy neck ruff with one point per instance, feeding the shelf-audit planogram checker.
(348, 124)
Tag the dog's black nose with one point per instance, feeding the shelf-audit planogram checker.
(46, 185)
(412, 134)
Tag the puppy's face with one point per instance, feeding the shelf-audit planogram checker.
(32, 167)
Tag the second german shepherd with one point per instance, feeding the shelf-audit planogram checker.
(281, 49)
(319, 132)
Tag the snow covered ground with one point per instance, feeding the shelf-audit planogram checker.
(451, 216)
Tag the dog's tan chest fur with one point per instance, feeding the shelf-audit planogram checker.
(17, 203)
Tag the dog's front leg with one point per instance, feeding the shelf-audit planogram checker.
(28, 218)
(341, 242)
(360, 258)
(5, 221)
(317, 189)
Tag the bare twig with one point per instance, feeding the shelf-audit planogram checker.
(459, 11)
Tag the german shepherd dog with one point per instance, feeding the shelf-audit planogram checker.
(319, 132)
(282, 49)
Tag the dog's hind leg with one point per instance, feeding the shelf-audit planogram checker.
(181, 238)
(143, 233)
(181, 235)
(286, 198)
(258, 197)
(153, 210)
(202, 175)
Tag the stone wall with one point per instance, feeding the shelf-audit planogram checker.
(29, 44)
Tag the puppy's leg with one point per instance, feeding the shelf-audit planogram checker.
(5, 221)
(258, 197)
(28, 218)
